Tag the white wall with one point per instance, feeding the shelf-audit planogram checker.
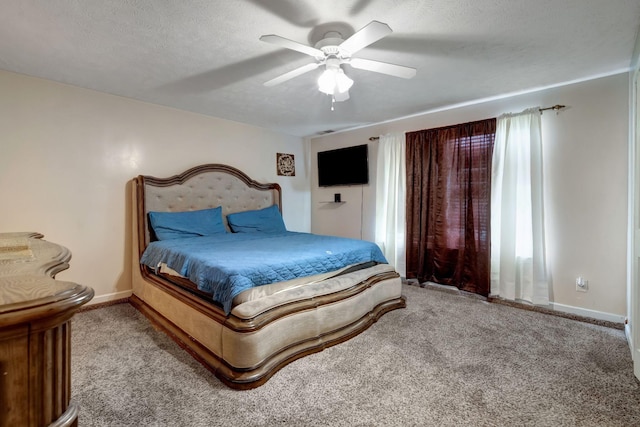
(585, 174)
(68, 154)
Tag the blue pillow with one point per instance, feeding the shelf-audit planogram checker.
(267, 220)
(178, 225)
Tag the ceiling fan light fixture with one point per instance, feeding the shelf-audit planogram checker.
(332, 51)
(334, 80)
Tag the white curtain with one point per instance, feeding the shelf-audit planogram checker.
(518, 266)
(390, 199)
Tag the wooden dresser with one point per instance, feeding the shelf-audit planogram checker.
(35, 332)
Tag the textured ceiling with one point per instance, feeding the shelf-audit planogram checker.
(206, 56)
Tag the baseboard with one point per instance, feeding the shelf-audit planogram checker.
(577, 313)
(105, 299)
(585, 312)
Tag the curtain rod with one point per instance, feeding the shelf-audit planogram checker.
(556, 107)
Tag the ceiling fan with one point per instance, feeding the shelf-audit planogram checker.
(333, 51)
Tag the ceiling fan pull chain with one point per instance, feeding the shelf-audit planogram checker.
(333, 101)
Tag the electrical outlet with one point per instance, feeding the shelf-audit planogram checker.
(582, 285)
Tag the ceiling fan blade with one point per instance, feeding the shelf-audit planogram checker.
(383, 67)
(293, 73)
(290, 44)
(339, 97)
(370, 33)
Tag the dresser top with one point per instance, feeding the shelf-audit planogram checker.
(28, 266)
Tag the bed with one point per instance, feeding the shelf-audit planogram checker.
(246, 334)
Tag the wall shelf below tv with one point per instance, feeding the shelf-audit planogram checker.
(335, 203)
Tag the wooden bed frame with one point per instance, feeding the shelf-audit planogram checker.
(245, 348)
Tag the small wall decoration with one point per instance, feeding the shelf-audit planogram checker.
(285, 164)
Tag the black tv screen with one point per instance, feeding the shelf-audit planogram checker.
(344, 166)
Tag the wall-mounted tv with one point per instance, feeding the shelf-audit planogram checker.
(343, 166)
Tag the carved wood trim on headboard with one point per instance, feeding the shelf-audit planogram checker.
(143, 182)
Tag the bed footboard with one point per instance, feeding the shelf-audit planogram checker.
(245, 352)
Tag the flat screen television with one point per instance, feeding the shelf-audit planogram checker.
(343, 166)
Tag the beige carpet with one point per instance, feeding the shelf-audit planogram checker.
(445, 360)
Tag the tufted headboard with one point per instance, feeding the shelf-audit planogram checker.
(201, 187)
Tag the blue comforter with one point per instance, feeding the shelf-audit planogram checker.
(227, 264)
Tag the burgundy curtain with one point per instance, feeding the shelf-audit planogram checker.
(448, 205)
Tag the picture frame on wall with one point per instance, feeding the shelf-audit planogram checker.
(285, 164)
